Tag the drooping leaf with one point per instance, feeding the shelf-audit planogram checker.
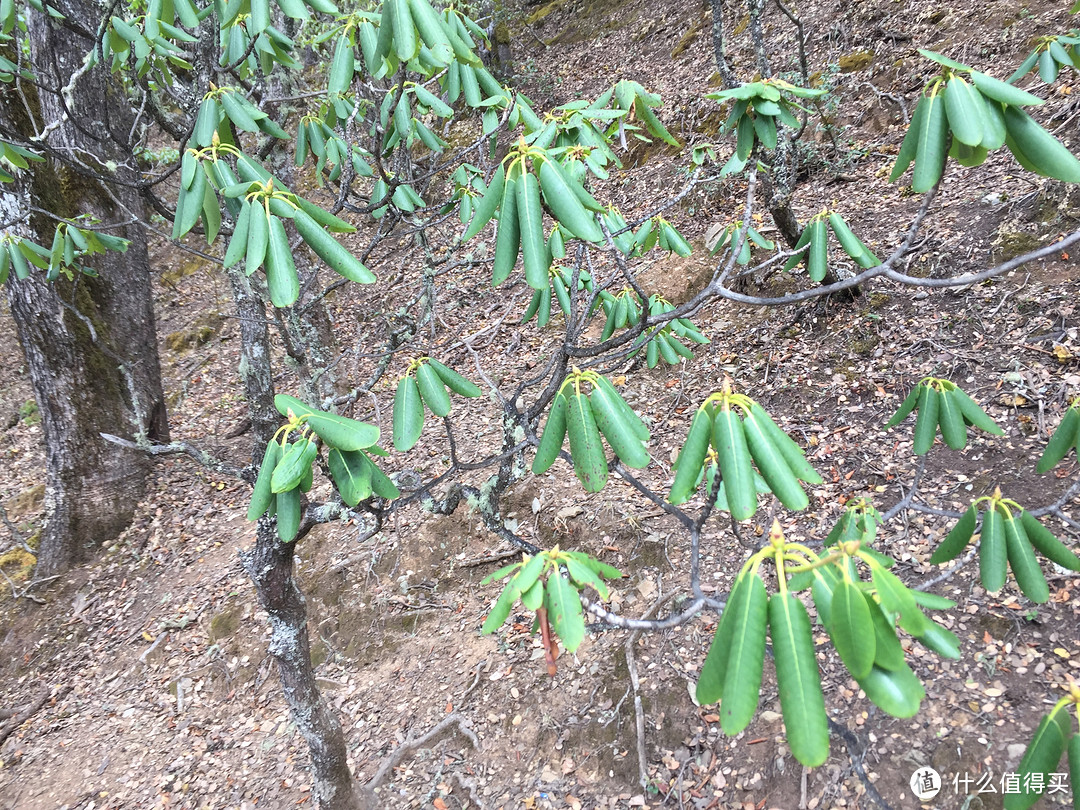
(746, 659)
(408, 414)
(801, 700)
(564, 611)
(337, 431)
(851, 628)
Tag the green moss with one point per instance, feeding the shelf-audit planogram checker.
(225, 624)
(28, 412)
(545, 10)
(688, 38)
(855, 62)
(177, 273)
(1011, 244)
(319, 652)
(17, 564)
(27, 501)
(199, 333)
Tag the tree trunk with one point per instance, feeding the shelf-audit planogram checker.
(90, 343)
(270, 565)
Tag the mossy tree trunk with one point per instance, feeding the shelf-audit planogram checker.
(90, 342)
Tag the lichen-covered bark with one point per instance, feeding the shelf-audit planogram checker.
(270, 565)
(255, 369)
(90, 344)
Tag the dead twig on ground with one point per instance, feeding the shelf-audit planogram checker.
(29, 711)
(410, 745)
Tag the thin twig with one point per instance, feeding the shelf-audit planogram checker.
(410, 745)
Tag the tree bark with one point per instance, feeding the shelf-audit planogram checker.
(270, 565)
(90, 342)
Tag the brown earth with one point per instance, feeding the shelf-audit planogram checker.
(160, 692)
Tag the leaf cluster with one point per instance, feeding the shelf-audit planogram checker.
(287, 466)
(741, 435)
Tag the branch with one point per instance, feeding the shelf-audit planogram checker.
(219, 466)
(410, 745)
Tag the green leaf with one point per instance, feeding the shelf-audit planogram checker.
(380, 482)
(888, 652)
(293, 465)
(406, 45)
(531, 224)
(746, 659)
(237, 112)
(735, 469)
(601, 568)
(974, 415)
(527, 574)
(911, 140)
(342, 66)
(932, 145)
(851, 628)
(710, 685)
(1042, 757)
(798, 680)
(337, 431)
(485, 209)
(533, 598)
(281, 278)
(564, 203)
(1002, 92)
(289, 513)
(964, 108)
(927, 422)
(584, 575)
(1047, 544)
(551, 441)
(906, 407)
(1043, 151)
(817, 264)
(691, 459)
(629, 416)
(851, 244)
(408, 414)
(610, 421)
(351, 474)
(206, 122)
(772, 465)
(992, 551)
(956, 539)
(943, 642)
(951, 419)
(564, 611)
(590, 464)
(652, 123)
(897, 691)
(262, 495)
(932, 601)
(508, 235)
(897, 599)
(454, 381)
(791, 452)
(327, 248)
(1022, 561)
(432, 390)
(993, 125)
(1063, 440)
(238, 243)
